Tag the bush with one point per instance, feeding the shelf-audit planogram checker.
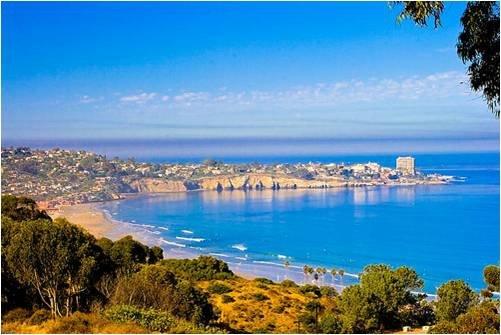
(444, 327)
(156, 287)
(480, 319)
(306, 289)
(39, 317)
(289, 283)
(201, 268)
(219, 288)
(260, 297)
(264, 281)
(329, 292)
(227, 299)
(17, 314)
(151, 319)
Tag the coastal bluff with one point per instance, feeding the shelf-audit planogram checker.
(229, 183)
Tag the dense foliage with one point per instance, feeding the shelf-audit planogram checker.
(201, 268)
(154, 286)
(21, 209)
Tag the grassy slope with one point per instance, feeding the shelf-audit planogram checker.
(257, 307)
(249, 313)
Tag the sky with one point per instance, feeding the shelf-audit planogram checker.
(348, 71)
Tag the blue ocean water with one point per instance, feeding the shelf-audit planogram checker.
(443, 231)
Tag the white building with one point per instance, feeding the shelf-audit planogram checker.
(406, 165)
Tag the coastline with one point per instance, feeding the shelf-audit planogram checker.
(99, 222)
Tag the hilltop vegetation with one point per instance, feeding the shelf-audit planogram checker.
(57, 278)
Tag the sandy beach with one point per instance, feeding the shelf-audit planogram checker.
(90, 218)
(100, 224)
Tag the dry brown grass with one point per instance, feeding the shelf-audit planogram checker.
(74, 324)
(259, 307)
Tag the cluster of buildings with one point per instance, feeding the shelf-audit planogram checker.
(62, 177)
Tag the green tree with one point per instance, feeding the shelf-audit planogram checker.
(454, 298)
(374, 304)
(22, 209)
(57, 259)
(155, 254)
(478, 43)
(478, 46)
(420, 11)
(491, 277)
(128, 254)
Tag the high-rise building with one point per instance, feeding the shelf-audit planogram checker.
(406, 165)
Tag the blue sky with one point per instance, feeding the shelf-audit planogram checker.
(224, 70)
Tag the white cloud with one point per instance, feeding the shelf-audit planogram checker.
(139, 98)
(428, 88)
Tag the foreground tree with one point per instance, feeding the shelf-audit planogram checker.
(57, 259)
(21, 209)
(478, 43)
(374, 304)
(454, 298)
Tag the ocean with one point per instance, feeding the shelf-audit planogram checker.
(444, 232)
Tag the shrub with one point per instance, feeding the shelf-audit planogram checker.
(227, 299)
(39, 317)
(327, 291)
(156, 287)
(308, 288)
(288, 283)
(444, 327)
(259, 296)
(264, 281)
(16, 314)
(219, 288)
(151, 319)
(480, 319)
(201, 268)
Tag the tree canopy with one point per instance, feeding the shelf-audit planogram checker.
(478, 43)
(57, 258)
(454, 298)
(21, 209)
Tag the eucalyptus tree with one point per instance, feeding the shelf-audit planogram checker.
(57, 259)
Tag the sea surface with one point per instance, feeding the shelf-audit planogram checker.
(443, 231)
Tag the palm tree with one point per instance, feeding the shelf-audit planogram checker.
(333, 273)
(306, 271)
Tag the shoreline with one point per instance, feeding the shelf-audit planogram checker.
(99, 222)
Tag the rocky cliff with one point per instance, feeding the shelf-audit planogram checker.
(153, 185)
(237, 182)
